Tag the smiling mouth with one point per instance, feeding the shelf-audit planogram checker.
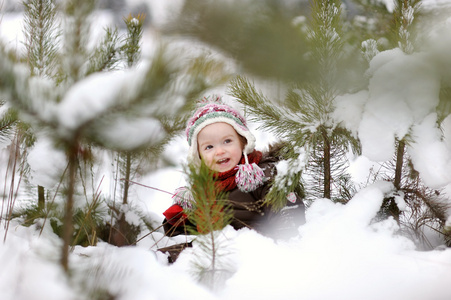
(223, 161)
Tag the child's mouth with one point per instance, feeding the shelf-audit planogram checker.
(223, 161)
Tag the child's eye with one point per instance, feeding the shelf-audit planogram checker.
(208, 147)
(227, 141)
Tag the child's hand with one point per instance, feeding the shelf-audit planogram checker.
(175, 215)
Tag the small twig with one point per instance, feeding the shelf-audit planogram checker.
(160, 190)
(13, 196)
(49, 207)
(146, 235)
(156, 242)
(114, 200)
(150, 187)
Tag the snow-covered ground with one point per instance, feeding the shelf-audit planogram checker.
(339, 253)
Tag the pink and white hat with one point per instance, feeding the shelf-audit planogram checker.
(213, 110)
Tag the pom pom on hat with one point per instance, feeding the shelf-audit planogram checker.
(212, 110)
(184, 198)
(249, 176)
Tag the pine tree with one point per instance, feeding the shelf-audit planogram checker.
(139, 161)
(406, 12)
(162, 93)
(41, 31)
(74, 56)
(415, 207)
(210, 215)
(315, 143)
(8, 135)
(131, 53)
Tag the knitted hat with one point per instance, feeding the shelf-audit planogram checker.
(213, 110)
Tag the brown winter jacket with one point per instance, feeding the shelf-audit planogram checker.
(250, 211)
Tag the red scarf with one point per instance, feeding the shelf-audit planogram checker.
(226, 180)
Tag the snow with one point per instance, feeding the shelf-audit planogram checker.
(340, 252)
(12, 32)
(150, 278)
(348, 110)
(91, 96)
(390, 4)
(434, 169)
(46, 163)
(28, 266)
(394, 118)
(339, 256)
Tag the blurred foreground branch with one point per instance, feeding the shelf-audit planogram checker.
(258, 34)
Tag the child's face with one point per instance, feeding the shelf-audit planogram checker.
(219, 146)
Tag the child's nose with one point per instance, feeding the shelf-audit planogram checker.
(219, 150)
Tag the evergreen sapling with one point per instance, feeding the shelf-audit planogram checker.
(210, 215)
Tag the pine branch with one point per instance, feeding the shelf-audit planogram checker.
(251, 32)
(7, 122)
(76, 35)
(41, 33)
(405, 16)
(275, 119)
(131, 47)
(211, 214)
(105, 56)
(325, 37)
